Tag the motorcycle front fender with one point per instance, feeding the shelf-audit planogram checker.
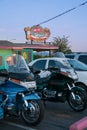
(74, 89)
(32, 96)
(77, 88)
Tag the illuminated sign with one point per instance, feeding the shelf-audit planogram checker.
(37, 33)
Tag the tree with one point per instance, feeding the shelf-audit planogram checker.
(62, 43)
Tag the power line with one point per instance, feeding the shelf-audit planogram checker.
(63, 13)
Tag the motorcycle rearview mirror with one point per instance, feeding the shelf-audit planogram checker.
(34, 71)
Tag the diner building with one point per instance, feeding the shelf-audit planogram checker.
(27, 50)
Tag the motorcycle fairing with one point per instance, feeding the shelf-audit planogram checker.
(32, 96)
(11, 89)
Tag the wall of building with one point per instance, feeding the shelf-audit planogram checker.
(27, 54)
(3, 55)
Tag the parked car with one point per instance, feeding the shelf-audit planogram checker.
(45, 63)
(78, 56)
(81, 70)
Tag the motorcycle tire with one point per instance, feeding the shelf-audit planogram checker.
(80, 102)
(34, 115)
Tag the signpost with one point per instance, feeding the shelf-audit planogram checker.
(37, 33)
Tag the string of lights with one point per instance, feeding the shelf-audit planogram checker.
(62, 13)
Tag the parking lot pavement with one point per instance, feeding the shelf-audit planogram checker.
(19, 126)
(58, 116)
(6, 125)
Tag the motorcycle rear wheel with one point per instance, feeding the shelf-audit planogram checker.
(80, 102)
(33, 116)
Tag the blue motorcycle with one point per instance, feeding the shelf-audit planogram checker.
(18, 100)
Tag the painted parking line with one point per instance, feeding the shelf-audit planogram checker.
(19, 126)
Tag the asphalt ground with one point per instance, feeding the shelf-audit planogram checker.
(58, 116)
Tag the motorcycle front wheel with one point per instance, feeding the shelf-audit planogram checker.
(34, 114)
(79, 102)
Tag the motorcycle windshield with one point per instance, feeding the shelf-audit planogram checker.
(17, 64)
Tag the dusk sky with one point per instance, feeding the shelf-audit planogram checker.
(17, 14)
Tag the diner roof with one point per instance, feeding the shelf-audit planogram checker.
(36, 47)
